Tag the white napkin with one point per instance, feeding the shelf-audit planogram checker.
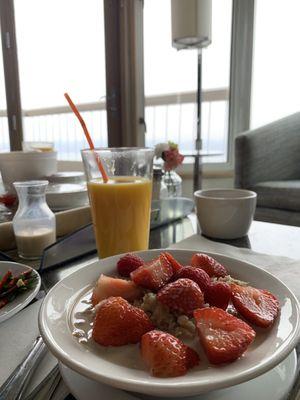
(284, 268)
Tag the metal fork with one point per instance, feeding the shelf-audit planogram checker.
(47, 387)
(15, 385)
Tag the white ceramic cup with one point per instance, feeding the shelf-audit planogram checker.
(225, 213)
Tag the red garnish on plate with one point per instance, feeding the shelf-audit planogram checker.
(3, 302)
(166, 356)
(118, 323)
(182, 296)
(8, 199)
(257, 306)
(223, 336)
(6, 277)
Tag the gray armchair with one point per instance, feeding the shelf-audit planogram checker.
(267, 160)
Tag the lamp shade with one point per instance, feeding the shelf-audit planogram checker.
(191, 23)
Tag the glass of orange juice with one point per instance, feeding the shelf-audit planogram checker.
(120, 207)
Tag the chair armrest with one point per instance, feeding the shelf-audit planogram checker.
(268, 153)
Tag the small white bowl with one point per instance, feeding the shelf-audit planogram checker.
(63, 196)
(25, 166)
(225, 213)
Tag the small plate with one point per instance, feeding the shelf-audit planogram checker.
(121, 367)
(23, 299)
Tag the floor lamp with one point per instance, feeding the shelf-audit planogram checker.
(191, 29)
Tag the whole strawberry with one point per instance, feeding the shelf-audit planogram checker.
(165, 355)
(128, 263)
(118, 323)
(182, 296)
(218, 294)
(197, 275)
(211, 266)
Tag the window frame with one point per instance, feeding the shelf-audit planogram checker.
(11, 74)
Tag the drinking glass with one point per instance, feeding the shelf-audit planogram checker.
(120, 207)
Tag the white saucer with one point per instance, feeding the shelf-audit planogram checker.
(274, 384)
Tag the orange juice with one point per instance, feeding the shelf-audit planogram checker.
(121, 214)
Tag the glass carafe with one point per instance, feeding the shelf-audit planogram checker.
(34, 222)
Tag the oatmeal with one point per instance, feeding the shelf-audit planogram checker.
(162, 318)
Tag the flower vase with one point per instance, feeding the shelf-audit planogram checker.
(173, 183)
(159, 189)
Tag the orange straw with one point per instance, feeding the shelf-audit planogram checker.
(87, 135)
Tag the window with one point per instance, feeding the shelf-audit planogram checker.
(276, 62)
(171, 82)
(61, 48)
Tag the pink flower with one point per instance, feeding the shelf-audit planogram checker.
(172, 159)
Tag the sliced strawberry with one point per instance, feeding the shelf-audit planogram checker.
(107, 286)
(154, 274)
(257, 306)
(223, 336)
(166, 356)
(175, 264)
(182, 296)
(128, 263)
(197, 275)
(118, 323)
(211, 266)
(218, 294)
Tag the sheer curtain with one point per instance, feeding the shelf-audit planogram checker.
(276, 62)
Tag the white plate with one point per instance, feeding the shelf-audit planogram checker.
(113, 366)
(274, 384)
(23, 299)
